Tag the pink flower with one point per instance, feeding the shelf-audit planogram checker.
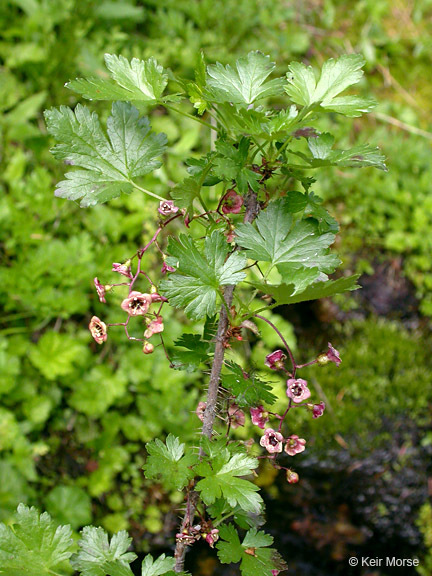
(155, 327)
(297, 390)
(318, 410)
(148, 348)
(295, 445)
(259, 416)
(200, 410)
(236, 416)
(332, 355)
(136, 304)
(123, 269)
(98, 330)
(232, 203)
(272, 441)
(167, 207)
(275, 360)
(165, 268)
(100, 289)
(212, 537)
(275, 572)
(292, 477)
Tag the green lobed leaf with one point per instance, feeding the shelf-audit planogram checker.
(315, 209)
(253, 553)
(195, 286)
(248, 391)
(157, 567)
(244, 84)
(336, 76)
(35, 545)
(357, 157)
(100, 557)
(168, 463)
(197, 348)
(137, 80)
(286, 294)
(221, 479)
(185, 193)
(298, 250)
(131, 150)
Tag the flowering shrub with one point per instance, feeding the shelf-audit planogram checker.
(242, 233)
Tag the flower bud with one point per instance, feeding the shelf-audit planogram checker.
(292, 477)
(148, 348)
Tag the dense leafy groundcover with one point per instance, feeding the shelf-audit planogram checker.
(56, 425)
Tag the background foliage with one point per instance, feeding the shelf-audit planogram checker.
(73, 420)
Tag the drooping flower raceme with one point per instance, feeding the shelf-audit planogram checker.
(272, 441)
(98, 330)
(136, 304)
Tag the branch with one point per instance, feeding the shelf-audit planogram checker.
(252, 209)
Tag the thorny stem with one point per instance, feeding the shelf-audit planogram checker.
(284, 342)
(213, 388)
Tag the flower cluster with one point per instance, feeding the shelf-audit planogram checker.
(297, 390)
(136, 303)
(195, 533)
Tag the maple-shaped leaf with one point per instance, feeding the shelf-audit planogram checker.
(168, 463)
(249, 390)
(98, 556)
(323, 154)
(244, 84)
(195, 286)
(221, 479)
(286, 293)
(137, 80)
(35, 545)
(110, 164)
(298, 250)
(253, 553)
(336, 76)
(157, 567)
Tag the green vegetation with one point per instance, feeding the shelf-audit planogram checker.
(73, 423)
